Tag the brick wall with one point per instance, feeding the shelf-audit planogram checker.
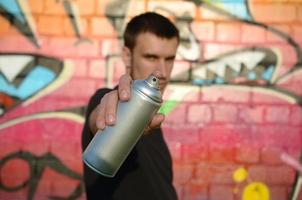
(234, 102)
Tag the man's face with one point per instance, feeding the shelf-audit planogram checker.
(152, 53)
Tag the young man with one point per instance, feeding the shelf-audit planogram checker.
(151, 41)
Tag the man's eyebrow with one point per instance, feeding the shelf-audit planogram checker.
(171, 57)
(150, 55)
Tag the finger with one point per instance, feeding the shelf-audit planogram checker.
(100, 115)
(124, 87)
(111, 107)
(155, 122)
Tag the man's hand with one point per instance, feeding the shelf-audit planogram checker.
(105, 113)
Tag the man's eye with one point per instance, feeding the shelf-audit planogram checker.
(152, 58)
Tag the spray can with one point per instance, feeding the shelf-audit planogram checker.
(111, 146)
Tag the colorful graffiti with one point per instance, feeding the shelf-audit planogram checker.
(234, 104)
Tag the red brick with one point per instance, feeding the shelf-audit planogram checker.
(86, 7)
(228, 32)
(194, 190)
(110, 47)
(37, 148)
(281, 175)
(50, 25)
(278, 192)
(297, 29)
(204, 172)
(199, 114)
(65, 152)
(299, 11)
(88, 49)
(184, 93)
(253, 34)
(225, 113)
(204, 31)
(194, 153)
(224, 192)
(77, 88)
(18, 194)
(97, 68)
(208, 14)
(219, 154)
(181, 70)
(274, 12)
(292, 84)
(10, 141)
(271, 155)
(273, 37)
(262, 96)
(54, 7)
(186, 7)
(251, 114)
(136, 8)
(223, 174)
(296, 115)
(113, 69)
(80, 67)
(272, 174)
(278, 136)
(101, 6)
(289, 54)
(53, 183)
(277, 114)
(70, 30)
(62, 47)
(183, 134)
(247, 154)
(258, 173)
(65, 47)
(182, 173)
(101, 26)
(225, 94)
(178, 115)
(212, 50)
(4, 26)
(36, 6)
(175, 149)
(224, 135)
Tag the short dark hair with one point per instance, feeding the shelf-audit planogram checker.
(149, 22)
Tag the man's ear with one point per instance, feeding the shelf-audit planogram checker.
(126, 56)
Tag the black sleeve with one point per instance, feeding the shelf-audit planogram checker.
(87, 135)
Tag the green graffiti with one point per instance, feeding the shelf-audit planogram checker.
(168, 107)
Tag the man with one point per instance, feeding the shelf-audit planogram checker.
(150, 44)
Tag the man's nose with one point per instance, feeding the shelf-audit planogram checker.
(162, 68)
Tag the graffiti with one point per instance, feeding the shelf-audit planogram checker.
(17, 12)
(37, 166)
(254, 189)
(27, 77)
(74, 16)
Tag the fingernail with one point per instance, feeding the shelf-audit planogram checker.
(110, 119)
(124, 94)
(100, 125)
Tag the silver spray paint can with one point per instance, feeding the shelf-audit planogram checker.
(111, 146)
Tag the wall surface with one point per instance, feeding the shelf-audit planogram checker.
(234, 118)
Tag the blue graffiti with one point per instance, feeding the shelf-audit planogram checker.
(237, 8)
(12, 6)
(267, 74)
(38, 78)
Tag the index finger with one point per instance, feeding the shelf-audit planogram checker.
(124, 87)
